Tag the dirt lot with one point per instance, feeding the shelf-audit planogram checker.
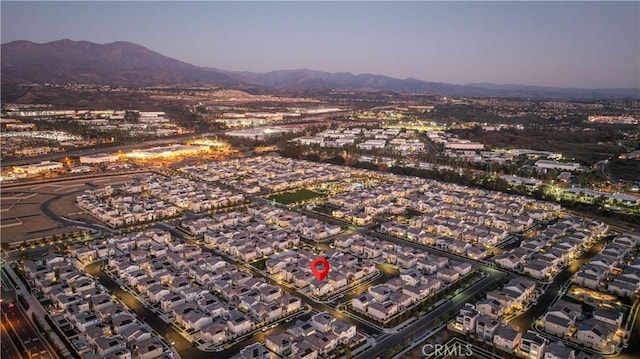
(20, 207)
(66, 206)
(22, 204)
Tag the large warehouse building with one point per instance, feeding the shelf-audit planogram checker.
(99, 158)
(36, 168)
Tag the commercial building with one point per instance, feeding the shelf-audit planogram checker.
(167, 151)
(565, 166)
(464, 145)
(99, 158)
(263, 133)
(36, 168)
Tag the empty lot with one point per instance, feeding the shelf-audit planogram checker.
(20, 207)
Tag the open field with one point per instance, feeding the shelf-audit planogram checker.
(296, 196)
(26, 228)
(66, 206)
(20, 207)
(20, 204)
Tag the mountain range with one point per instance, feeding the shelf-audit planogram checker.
(127, 64)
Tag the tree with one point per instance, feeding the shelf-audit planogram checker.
(312, 157)
(347, 351)
(599, 201)
(291, 150)
(336, 160)
(445, 316)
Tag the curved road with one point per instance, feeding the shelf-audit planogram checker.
(44, 208)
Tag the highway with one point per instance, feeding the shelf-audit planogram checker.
(8, 349)
(600, 167)
(26, 333)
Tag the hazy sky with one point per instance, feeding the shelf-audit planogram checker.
(579, 44)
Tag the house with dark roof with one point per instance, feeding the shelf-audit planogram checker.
(490, 307)
(507, 339)
(595, 334)
(533, 345)
(556, 350)
(149, 348)
(611, 317)
(486, 327)
(281, 343)
(557, 325)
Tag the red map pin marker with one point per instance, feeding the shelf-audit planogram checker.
(320, 273)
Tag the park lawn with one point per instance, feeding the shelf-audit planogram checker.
(295, 196)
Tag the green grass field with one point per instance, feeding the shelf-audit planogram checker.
(295, 196)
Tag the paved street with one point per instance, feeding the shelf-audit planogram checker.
(44, 208)
(8, 350)
(385, 339)
(319, 307)
(183, 346)
(426, 323)
(633, 351)
(26, 333)
(523, 322)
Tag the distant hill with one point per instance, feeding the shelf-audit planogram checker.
(302, 79)
(117, 63)
(557, 92)
(127, 64)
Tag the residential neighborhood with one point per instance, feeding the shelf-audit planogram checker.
(220, 261)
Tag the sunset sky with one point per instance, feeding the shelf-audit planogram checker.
(566, 44)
